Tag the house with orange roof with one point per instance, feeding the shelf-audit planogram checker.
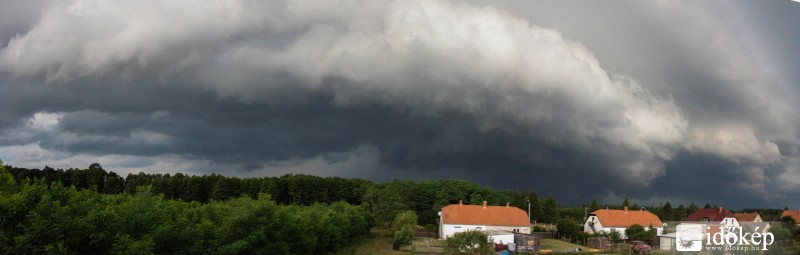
(795, 214)
(608, 220)
(460, 217)
(748, 217)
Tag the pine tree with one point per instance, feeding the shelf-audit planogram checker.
(550, 210)
(625, 202)
(594, 206)
(536, 207)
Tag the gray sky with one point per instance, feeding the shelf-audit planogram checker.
(657, 100)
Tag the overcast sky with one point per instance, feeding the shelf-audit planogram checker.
(681, 101)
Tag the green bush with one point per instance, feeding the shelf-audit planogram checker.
(469, 242)
(404, 224)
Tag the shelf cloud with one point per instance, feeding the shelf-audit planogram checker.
(668, 101)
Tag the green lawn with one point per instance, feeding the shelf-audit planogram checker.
(557, 245)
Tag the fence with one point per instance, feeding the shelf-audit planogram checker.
(600, 243)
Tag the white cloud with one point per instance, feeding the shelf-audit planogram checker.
(734, 142)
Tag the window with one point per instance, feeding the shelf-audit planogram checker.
(479, 228)
(457, 227)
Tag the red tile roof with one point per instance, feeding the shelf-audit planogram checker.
(626, 218)
(795, 214)
(480, 215)
(713, 214)
(745, 217)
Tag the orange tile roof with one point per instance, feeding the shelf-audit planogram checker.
(626, 218)
(480, 215)
(795, 214)
(745, 217)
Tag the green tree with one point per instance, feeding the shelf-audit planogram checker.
(615, 237)
(707, 206)
(594, 206)
(114, 184)
(691, 208)
(7, 183)
(666, 212)
(536, 208)
(471, 242)
(680, 213)
(549, 210)
(386, 203)
(568, 227)
(404, 225)
(625, 202)
(635, 232)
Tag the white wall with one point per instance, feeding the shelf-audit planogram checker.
(518, 229)
(448, 230)
(667, 243)
(505, 238)
(597, 225)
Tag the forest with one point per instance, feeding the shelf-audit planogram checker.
(94, 211)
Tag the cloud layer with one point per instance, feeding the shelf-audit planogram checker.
(427, 89)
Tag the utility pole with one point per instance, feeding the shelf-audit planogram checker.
(529, 210)
(585, 213)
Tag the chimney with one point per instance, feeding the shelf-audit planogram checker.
(507, 204)
(460, 202)
(485, 204)
(626, 209)
(641, 209)
(720, 210)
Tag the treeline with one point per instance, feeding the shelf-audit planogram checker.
(39, 216)
(383, 200)
(287, 189)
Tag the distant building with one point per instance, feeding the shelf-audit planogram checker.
(713, 219)
(711, 215)
(460, 217)
(607, 220)
(752, 222)
(748, 217)
(795, 214)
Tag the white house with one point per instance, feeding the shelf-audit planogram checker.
(458, 218)
(606, 220)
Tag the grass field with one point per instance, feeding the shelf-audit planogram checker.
(560, 246)
(378, 242)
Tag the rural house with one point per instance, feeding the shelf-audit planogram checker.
(795, 214)
(714, 216)
(713, 219)
(460, 217)
(608, 220)
(748, 217)
(752, 222)
(711, 215)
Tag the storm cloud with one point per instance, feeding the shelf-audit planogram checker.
(670, 100)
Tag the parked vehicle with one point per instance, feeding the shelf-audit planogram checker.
(640, 247)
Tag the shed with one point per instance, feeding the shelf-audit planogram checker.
(667, 242)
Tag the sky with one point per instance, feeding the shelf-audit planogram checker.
(679, 101)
